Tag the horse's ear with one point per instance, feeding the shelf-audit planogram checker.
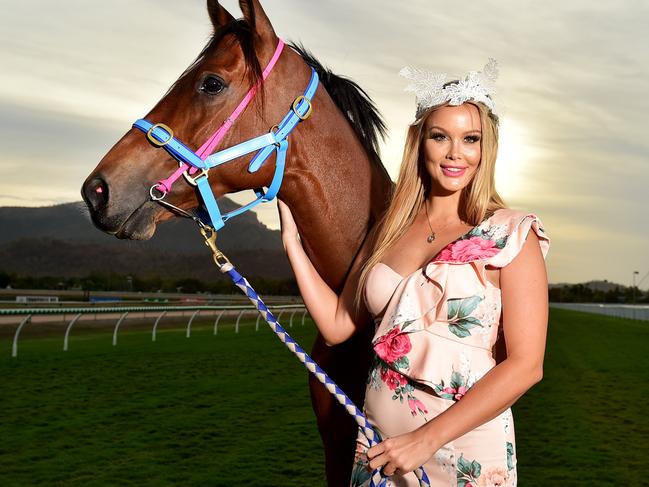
(218, 14)
(256, 18)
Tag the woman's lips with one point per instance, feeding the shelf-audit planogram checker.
(453, 171)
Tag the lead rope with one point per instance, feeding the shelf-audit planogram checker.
(226, 267)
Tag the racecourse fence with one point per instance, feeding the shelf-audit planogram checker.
(630, 311)
(27, 314)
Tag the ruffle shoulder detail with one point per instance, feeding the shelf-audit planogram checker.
(514, 226)
(496, 241)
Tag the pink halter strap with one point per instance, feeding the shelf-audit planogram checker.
(210, 144)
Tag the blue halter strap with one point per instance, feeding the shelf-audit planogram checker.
(162, 136)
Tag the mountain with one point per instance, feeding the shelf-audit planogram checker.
(71, 222)
(62, 241)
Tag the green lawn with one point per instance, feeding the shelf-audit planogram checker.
(234, 409)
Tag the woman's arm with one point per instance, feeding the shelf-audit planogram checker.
(335, 316)
(524, 288)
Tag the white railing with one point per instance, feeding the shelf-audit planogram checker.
(630, 311)
(140, 312)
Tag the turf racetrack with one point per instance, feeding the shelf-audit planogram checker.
(234, 409)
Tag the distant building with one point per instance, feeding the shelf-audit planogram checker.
(37, 299)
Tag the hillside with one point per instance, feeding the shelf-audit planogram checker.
(61, 241)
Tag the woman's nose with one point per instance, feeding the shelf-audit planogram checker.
(454, 151)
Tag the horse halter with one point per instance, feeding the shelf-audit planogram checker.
(190, 162)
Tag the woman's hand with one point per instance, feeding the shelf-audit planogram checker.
(287, 223)
(404, 453)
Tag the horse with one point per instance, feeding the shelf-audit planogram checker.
(334, 181)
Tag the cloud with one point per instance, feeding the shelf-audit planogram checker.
(573, 81)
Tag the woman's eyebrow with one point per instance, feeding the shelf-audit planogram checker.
(437, 127)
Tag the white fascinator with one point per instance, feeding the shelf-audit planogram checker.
(432, 89)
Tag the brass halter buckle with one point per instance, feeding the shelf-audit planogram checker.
(156, 142)
(192, 179)
(297, 101)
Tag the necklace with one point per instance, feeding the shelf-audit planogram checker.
(431, 237)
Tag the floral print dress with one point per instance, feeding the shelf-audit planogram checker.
(436, 329)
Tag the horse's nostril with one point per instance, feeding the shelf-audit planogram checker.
(96, 193)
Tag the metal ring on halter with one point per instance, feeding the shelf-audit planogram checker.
(272, 131)
(153, 196)
(192, 179)
(154, 141)
(308, 112)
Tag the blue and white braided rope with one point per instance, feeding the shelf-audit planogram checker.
(378, 480)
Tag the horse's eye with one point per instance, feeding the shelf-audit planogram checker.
(212, 85)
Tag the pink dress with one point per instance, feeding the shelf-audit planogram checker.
(435, 332)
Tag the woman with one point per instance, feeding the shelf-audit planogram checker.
(446, 269)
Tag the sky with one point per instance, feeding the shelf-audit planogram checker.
(571, 95)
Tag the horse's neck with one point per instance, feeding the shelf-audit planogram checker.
(335, 190)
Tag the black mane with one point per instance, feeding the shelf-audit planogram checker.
(352, 100)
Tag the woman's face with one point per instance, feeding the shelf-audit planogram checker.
(451, 146)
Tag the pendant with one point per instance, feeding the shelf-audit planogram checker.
(431, 237)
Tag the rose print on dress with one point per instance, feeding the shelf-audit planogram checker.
(458, 311)
(393, 379)
(394, 345)
(360, 474)
(473, 248)
(402, 388)
(467, 472)
(493, 477)
(455, 390)
(475, 245)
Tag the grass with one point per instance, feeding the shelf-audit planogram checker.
(234, 409)
(225, 410)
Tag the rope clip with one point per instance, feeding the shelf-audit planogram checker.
(209, 234)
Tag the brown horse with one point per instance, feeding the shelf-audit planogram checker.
(334, 182)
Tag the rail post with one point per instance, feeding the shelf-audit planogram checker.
(279, 315)
(155, 325)
(119, 322)
(14, 347)
(67, 331)
(257, 322)
(189, 323)
(290, 321)
(216, 322)
(303, 316)
(236, 325)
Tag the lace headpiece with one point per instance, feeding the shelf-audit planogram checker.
(429, 87)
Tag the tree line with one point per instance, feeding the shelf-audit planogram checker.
(151, 284)
(568, 293)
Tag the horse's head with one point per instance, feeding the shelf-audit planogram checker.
(117, 191)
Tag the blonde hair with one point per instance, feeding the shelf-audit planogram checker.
(477, 201)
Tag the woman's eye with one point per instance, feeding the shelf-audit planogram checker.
(473, 139)
(437, 136)
(212, 85)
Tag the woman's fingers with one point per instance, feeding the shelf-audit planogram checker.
(378, 461)
(383, 460)
(287, 222)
